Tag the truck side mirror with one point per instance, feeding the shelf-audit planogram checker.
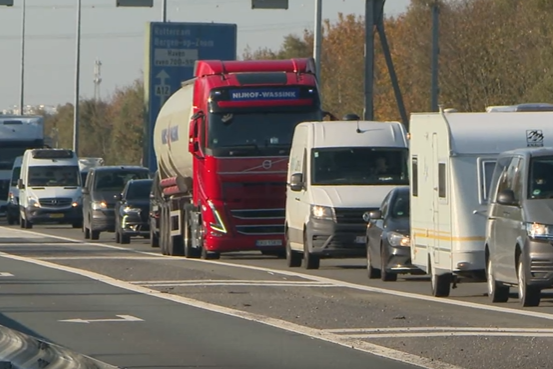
(506, 197)
(296, 182)
(20, 184)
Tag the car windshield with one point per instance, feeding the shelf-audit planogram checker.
(139, 190)
(116, 180)
(15, 175)
(400, 206)
(354, 166)
(540, 178)
(54, 175)
(252, 134)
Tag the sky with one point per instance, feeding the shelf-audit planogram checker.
(116, 37)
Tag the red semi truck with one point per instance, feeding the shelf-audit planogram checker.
(222, 144)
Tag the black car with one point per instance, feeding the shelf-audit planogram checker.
(132, 211)
(155, 207)
(388, 242)
(102, 184)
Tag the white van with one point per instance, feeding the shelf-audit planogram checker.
(12, 212)
(50, 189)
(337, 171)
(452, 158)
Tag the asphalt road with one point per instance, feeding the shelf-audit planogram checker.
(337, 303)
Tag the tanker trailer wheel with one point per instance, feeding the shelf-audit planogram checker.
(163, 231)
(198, 230)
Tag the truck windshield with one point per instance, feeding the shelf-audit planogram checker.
(54, 176)
(355, 166)
(540, 178)
(253, 134)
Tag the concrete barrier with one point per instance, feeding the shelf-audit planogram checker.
(21, 351)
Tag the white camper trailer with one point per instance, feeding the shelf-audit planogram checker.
(452, 158)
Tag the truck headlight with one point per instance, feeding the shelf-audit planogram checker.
(396, 239)
(322, 212)
(99, 205)
(539, 231)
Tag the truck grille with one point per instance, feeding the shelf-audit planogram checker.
(259, 214)
(262, 229)
(55, 202)
(351, 215)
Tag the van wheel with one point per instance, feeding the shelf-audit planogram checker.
(293, 258)
(372, 273)
(497, 292)
(94, 235)
(440, 284)
(528, 295)
(310, 261)
(154, 239)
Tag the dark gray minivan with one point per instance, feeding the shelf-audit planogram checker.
(519, 231)
(102, 184)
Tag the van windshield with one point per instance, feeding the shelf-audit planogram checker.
(540, 178)
(354, 166)
(116, 180)
(54, 176)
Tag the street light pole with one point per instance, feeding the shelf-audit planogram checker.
(164, 11)
(77, 81)
(22, 82)
(317, 37)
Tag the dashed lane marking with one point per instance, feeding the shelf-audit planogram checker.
(277, 323)
(359, 287)
(415, 332)
(106, 257)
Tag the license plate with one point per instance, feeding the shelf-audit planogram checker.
(268, 243)
(56, 215)
(360, 239)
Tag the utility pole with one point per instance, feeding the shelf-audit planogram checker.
(77, 81)
(317, 37)
(435, 54)
(368, 113)
(164, 11)
(22, 81)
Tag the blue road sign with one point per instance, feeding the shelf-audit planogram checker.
(171, 52)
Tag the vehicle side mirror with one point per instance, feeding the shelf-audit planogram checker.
(296, 182)
(85, 191)
(506, 197)
(152, 196)
(118, 197)
(20, 184)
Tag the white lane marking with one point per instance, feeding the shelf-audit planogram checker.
(429, 329)
(449, 334)
(107, 257)
(40, 244)
(216, 281)
(6, 274)
(277, 323)
(359, 287)
(121, 318)
(251, 284)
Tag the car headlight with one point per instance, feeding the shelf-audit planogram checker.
(33, 202)
(536, 230)
(396, 239)
(78, 201)
(322, 212)
(130, 210)
(99, 205)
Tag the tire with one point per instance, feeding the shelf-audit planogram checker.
(94, 235)
(293, 258)
(154, 239)
(528, 295)
(86, 233)
(125, 239)
(189, 251)
(497, 292)
(440, 284)
(117, 236)
(310, 261)
(385, 275)
(372, 273)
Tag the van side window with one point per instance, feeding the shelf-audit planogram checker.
(442, 180)
(415, 176)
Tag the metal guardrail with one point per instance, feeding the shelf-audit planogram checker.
(21, 351)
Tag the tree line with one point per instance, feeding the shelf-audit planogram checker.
(492, 52)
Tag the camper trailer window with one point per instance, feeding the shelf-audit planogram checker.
(487, 168)
(441, 180)
(358, 166)
(540, 181)
(415, 176)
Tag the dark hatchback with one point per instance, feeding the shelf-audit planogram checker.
(132, 211)
(102, 184)
(388, 242)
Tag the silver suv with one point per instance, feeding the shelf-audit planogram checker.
(519, 231)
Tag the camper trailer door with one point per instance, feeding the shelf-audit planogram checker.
(435, 204)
